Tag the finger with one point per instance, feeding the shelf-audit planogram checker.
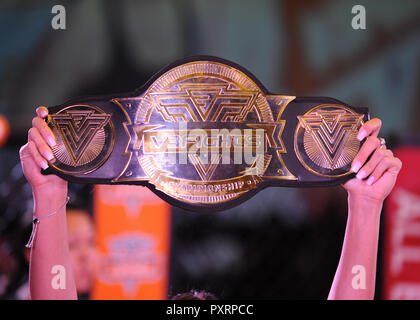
(24, 152)
(42, 112)
(41, 145)
(374, 160)
(26, 158)
(369, 128)
(388, 164)
(44, 130)
(39, 160)
(371, 144)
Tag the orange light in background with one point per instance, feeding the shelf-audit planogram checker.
(4, 130)
(133, 239)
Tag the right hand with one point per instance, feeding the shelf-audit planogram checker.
(37, 152)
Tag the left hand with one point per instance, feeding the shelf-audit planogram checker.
(376, 167)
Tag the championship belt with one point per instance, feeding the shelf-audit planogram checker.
(205, 135)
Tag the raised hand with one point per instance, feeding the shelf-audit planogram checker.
(376, 167)
(37, 154)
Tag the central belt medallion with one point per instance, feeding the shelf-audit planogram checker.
(218, 134)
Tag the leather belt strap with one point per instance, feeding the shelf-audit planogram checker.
(204, 134)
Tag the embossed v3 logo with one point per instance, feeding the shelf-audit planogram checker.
(82, 134)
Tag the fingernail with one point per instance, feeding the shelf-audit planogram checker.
(48, 155)
(361, 135)
(356, 167)
(361, 175)
(44, 165)
(51, 142)
(370, 180)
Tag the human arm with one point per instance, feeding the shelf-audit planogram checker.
(50, 246)
(377, 170)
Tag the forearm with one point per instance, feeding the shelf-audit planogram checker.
(356, 272)
(50, 260)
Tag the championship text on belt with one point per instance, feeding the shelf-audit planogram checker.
(205, 135)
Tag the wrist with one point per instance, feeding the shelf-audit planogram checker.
(364, 207)
(364, 201)
(48, 191)
(48, 199)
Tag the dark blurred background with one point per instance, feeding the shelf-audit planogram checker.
(281, 244)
